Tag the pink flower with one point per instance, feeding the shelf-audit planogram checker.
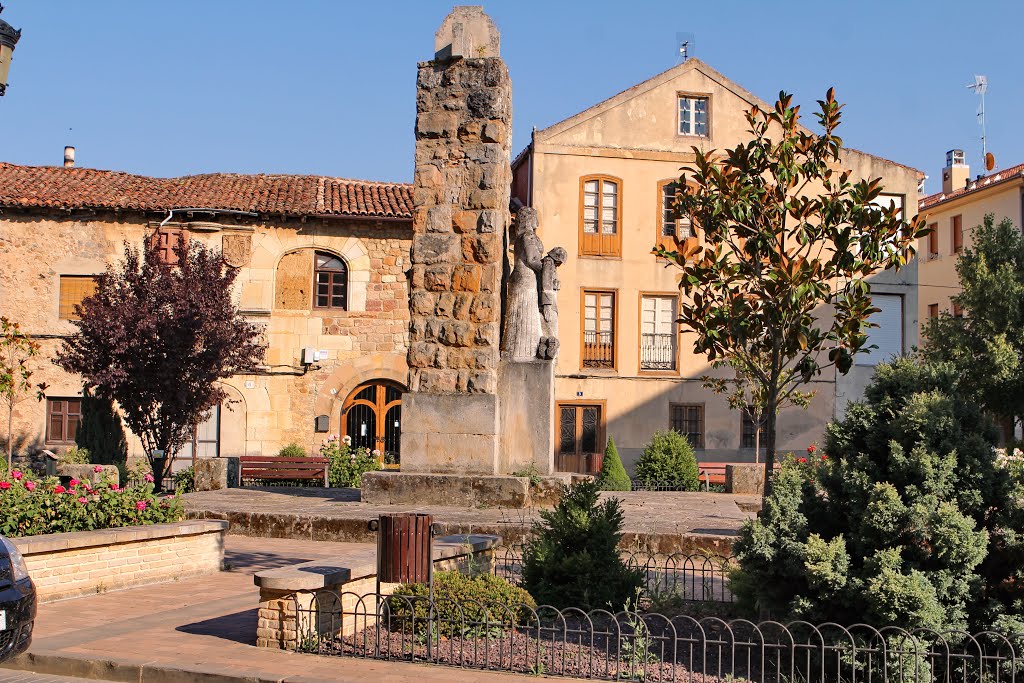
(82, 499)
(5, 485)
(148, 478)
(16, 474)
(97, 469)
(59, 489)
(115, 487)
(30, 485)
(140, 505)
(73, 483)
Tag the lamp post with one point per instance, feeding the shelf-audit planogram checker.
(8, 39)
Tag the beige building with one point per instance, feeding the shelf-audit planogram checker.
(952, 216)
(322, 267)
(601, 184)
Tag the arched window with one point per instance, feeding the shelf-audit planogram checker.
(330, 282)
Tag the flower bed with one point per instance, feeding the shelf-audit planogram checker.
(31, 506)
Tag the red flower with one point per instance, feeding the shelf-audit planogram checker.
(811, 449)
(73, 483)
(115, 487)
(59, 489)
(802, 460)
(82, 500)
(16, 474)
(5, 485)
(824, 458)
(98, 468)
(30, 485)
(140, 505)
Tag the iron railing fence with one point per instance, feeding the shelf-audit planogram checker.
(697, 577)
(657, 352)
(631, 645)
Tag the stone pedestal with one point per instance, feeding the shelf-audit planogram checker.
(213, 474)
(450, 433)
(527, 410)
(744, 478)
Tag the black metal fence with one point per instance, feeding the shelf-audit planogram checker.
(632, 645)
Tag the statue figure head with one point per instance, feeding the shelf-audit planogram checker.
(526, 220)
(558, 255)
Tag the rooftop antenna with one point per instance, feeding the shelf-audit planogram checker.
(980, 86)
(686, 46)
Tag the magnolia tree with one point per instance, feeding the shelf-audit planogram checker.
(17, 350)
(157, 338)
(778, 287)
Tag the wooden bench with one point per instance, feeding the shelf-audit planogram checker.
(273, 467)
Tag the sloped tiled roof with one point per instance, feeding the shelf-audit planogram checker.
(973, 186)
(294, 195)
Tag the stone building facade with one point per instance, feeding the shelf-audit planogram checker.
(61, 226)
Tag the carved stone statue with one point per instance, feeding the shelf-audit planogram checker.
(549, 285)
(522, 309)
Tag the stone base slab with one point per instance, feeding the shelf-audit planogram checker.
(456, 490)
(527, 413)
(450, 433)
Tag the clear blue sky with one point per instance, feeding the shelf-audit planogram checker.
(174, 87)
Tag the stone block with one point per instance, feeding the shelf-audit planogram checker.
(457, 490)
(527, 416)
(457, 333)
(438, 278)
(744, 478)
(433, 248)
(87, 472)
(437, 124)
(449, 413)
(214, 474)
(484, 309)
(439, 218)
(481, 248)
(466, 278)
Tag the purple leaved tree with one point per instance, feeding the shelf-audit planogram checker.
(158, 338)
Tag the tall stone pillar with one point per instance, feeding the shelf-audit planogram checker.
(462, 185)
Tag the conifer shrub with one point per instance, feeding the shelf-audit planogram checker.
(101, 432)
(668, 461)
(613, 475)
(906, 520)
(573, 560)
(292, 450)
(462, 603)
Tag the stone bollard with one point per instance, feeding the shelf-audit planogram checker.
(214, 474)
(744, 478)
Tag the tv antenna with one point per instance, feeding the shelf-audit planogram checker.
(686, 45)
(980, 86)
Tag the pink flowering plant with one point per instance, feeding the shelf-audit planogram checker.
(30, 506)
(348, 464)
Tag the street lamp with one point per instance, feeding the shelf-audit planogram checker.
(8, 39)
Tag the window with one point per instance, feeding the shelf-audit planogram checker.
(63, 417)
(74, 288)
(658, 333)
(599, 329)
(957, 225)
(887, 336)
(669, 226)
(600, 216)
(958, 312)
(750, 435)
(933, 310)
(688, 420)
(205, 441)
(693, 115)
(580, 438)
(166, 239)
(933, 241)
(330, 279)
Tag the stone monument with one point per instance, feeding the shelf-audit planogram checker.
(478, 407)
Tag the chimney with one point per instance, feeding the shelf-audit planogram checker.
(69, 157)
(956, 173)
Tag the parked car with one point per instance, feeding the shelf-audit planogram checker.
(17, 602)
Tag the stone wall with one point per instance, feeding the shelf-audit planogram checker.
(461, 195)
(85, 562)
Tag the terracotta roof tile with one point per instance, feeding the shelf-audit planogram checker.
(973, 186)
(294, 195)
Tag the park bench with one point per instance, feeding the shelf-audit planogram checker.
(270, 467)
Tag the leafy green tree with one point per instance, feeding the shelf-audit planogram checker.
(907, 520)
(17, 350)
(785, 233)
(572, 559)
(987, 342)
(101, 432)
(613, 475)
(668, 461)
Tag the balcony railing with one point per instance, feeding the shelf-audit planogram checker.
(657, 352)
(598, 350)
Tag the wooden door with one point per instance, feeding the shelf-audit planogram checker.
(372, 416)
(580, 438)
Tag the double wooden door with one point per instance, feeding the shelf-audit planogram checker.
(372, 416)
(580, 438)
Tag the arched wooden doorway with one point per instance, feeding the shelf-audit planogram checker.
(372, 416)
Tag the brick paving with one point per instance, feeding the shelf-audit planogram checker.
(654, 521)
(31, 677)
(200, 629)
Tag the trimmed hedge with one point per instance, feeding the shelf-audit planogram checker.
(613, 475)
(668, 460)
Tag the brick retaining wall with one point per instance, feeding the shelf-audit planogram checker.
(83, 562)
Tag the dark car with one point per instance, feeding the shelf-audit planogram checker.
(17, 602)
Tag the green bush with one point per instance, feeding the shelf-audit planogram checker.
(348, 464)
(32, 506)
(74, 456)
(293, 450)
(906, 520)
(460, 602)
(101, 432)
(613, 475)
(573, 560)
(668, 460)
(185, 480)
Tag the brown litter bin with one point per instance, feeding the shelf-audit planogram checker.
(404, 548)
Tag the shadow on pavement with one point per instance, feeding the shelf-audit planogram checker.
(239, 627)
